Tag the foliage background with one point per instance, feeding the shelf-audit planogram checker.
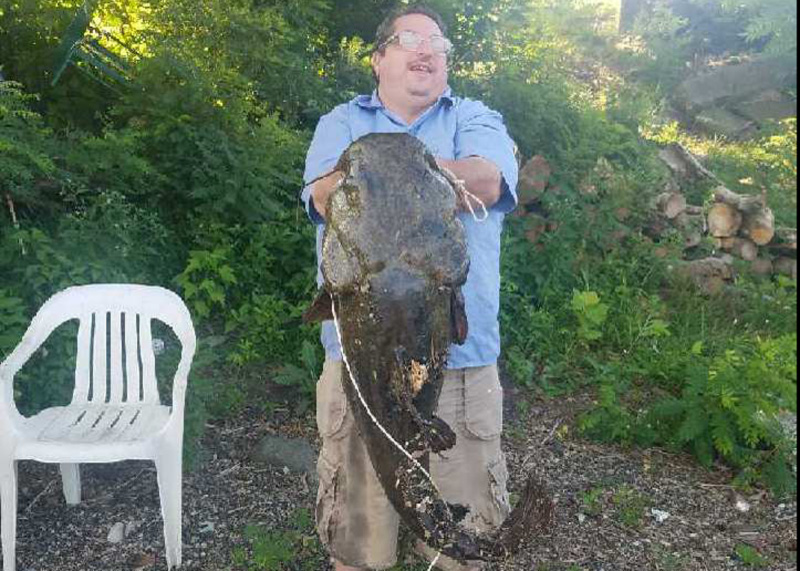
(184, 170)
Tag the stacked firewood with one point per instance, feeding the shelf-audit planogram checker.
(741, 226)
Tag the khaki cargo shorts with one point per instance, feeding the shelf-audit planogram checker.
(355, 520)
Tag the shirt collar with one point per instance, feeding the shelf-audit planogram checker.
(374, 102)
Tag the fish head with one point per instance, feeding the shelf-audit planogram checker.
(394, 209)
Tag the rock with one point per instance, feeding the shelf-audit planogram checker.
(659, 515)
(734, 83)
(117, 533)
(720, 121)
(768, 105)
(207, 527)
(742, 504)
(293, 453)
(534, 178)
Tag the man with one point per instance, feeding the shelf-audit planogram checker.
(354, 518)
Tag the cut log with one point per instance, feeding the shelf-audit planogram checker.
(786, 267)
(785, 241)
(533, 179)
(760, 226)
(745, 203)
(763, 267)
(725, 244)
(535, 227)
(708, 274)
(671, 204)
(693, 227)
(745, 249)
(724, 220)
(685, 165)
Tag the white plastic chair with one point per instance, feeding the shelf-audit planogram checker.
(115, 414)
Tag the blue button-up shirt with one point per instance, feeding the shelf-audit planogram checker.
(453, 128)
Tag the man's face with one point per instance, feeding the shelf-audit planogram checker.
(418, 77)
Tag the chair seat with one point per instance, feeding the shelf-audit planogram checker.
(88, 424)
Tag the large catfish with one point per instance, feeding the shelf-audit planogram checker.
(394, 258)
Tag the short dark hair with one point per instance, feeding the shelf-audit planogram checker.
(386, 29)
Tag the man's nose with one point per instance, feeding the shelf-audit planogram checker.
(425, 48)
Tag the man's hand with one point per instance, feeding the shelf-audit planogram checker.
(481, 178)
(322, 189)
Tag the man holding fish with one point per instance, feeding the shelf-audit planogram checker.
(355, 520)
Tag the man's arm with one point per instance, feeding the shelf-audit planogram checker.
(481, 177)
(485, 157)
(322, 189)
(331, 139)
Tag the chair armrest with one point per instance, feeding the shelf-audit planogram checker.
(180, 383)
(9, 415)
(34, 337)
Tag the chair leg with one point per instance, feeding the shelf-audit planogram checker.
(170, 488)
(8, 515)
(71, 478)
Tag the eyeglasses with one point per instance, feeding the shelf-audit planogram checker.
(411, 42)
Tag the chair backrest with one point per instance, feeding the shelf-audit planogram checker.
(115, 361)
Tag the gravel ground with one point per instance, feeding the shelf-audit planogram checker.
(604, 517)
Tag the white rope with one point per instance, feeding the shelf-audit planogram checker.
(435, 561)
(467, 196)
(460, 188)
(376, 421)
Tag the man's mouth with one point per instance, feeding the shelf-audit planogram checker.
(421, 68)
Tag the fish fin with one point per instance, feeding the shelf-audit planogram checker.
(439, 435)
(458, 317)
(321, 309)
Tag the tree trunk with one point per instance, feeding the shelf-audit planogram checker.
(746, 204)
(709, 274)
(785, 241)
(760, 226)
(786, 267)
(693, 227)
(745, 249)
(724, 220)
(763, 267)
(533, 180)
(671, 204)
(535, 227)
(685, 165)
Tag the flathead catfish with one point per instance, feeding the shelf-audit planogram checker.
(394, 258)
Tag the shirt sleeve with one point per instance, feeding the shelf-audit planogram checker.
(331, 139)
(482, 133)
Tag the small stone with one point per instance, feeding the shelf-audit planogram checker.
(117, 533)
(290, 455)
(742, 504)
(581, 518)
(207, 527)
(660, 515)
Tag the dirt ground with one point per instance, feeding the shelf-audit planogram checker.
(616, 509)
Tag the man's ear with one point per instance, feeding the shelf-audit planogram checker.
(376, 62)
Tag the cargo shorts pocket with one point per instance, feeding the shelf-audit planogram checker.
(331, 402)
(483, 407)
(325, 513)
